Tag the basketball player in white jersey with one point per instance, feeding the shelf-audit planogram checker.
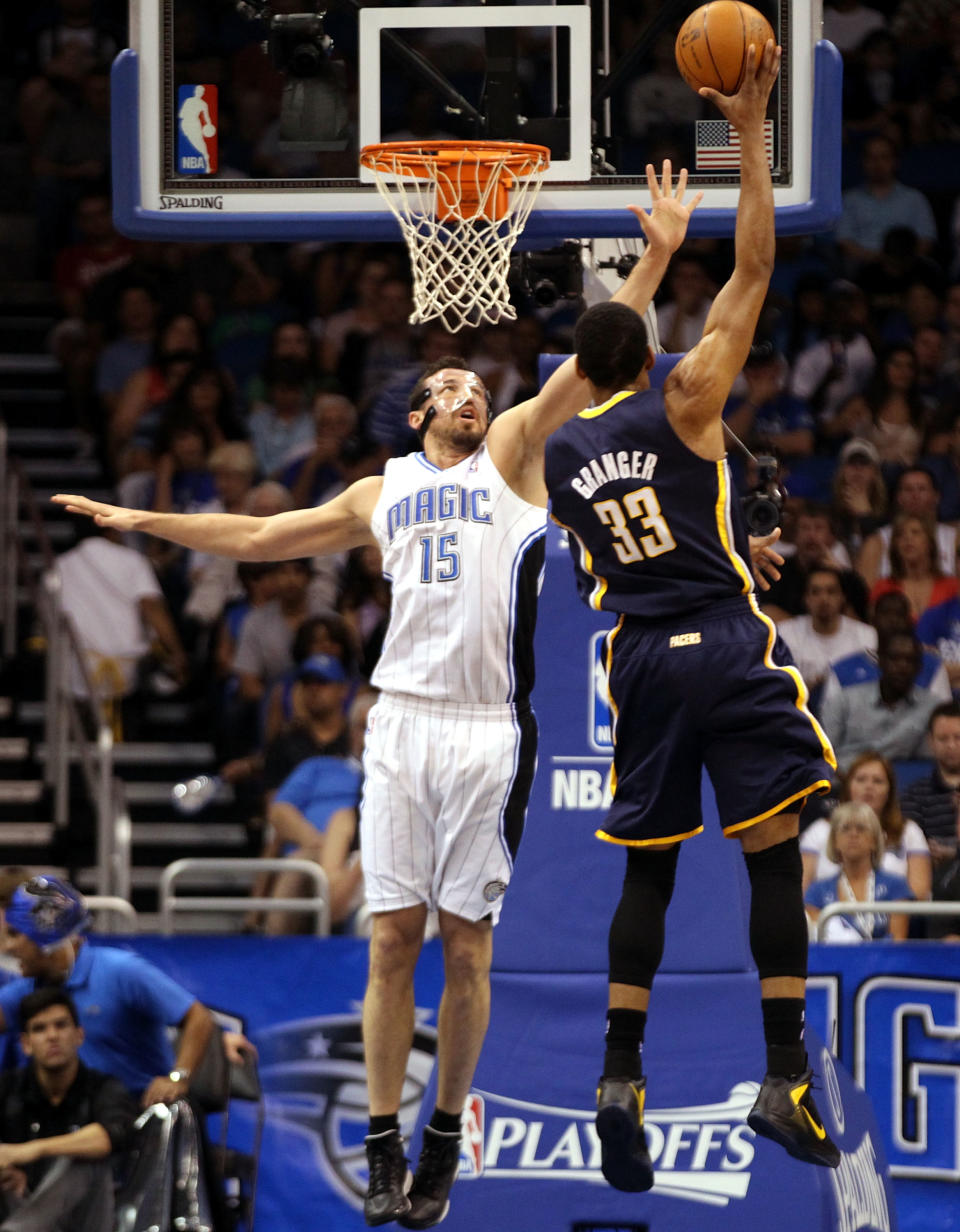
(451, 743)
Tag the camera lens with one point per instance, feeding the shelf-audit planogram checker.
(544, 293)
(305, 61)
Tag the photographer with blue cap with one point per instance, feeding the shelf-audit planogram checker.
(125, 1003)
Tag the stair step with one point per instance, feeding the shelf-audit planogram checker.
(42, 440)
(169, 714)
(42, 496)
(12, 364)
(31, 329)
(159, 793)
(14, 748)
(63, 470)
(181, 754)
(188, 834)
(59, 532)
(21, 791)
(26, 293)
(26, 833)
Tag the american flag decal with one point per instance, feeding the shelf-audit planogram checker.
(718, 145)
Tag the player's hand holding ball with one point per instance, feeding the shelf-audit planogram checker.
(726, 52)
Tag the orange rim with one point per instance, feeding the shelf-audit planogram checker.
(419, 158)
(490, 170)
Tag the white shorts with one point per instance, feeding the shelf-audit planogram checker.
(444, 798)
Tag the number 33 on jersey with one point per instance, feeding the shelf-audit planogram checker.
(645, 539)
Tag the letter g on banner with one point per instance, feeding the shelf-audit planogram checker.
(906, 1033)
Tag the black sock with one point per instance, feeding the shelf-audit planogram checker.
(445, 1122)
(383, 1124)
(624, 1043)
(783, 1032)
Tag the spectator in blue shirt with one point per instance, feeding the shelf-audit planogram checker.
(856, 844)
(314, 816)
(939, 628)
(769, 418)
(880, 203)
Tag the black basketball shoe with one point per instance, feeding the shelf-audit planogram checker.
(624, 1158)
(437, 1169)
(785, 1112)
(389, 1180)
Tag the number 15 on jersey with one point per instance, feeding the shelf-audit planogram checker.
(439, 558)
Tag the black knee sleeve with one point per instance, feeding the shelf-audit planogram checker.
(778, 922)
(635, 944)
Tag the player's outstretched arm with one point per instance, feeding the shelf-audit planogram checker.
(337, 526)
(698, 387)
(565, 394)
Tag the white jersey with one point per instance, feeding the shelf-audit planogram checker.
(465, 556)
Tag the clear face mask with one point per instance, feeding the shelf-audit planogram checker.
(450, 390)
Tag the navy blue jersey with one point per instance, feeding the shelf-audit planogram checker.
(655, 530)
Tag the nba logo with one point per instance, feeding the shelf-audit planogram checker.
(600, 731)
(197, 130)
(471, 1141)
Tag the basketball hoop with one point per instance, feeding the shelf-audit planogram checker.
(461, 206)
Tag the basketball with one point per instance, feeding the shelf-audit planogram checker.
(711, 48)
(208, 130)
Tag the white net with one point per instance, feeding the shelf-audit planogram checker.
(460, 218)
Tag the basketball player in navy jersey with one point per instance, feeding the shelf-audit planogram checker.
(451, 743)
(697, 676)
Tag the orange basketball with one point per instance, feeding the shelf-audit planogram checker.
(711, 48)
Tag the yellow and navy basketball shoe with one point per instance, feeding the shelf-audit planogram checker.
(785, 1112)
(624, 1158)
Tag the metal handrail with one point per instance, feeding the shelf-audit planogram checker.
(318, 906)
(119, 906)
(890, 907)
(63, 710)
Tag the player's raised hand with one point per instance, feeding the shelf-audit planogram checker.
(747, 108)
(665, 225)
(112, 516)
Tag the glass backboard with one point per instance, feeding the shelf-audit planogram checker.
(246, 119)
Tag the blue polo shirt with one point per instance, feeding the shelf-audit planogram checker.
(125, 1006)
(319, 786)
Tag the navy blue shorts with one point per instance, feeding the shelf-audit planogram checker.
(715, 689)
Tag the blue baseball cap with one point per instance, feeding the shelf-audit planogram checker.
(47, 911)
(323, 667)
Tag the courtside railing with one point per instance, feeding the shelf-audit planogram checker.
(882, 908)
(317, 904)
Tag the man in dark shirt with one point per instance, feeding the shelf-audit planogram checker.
(932, 801)
(60, 1122)
(321, 728)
